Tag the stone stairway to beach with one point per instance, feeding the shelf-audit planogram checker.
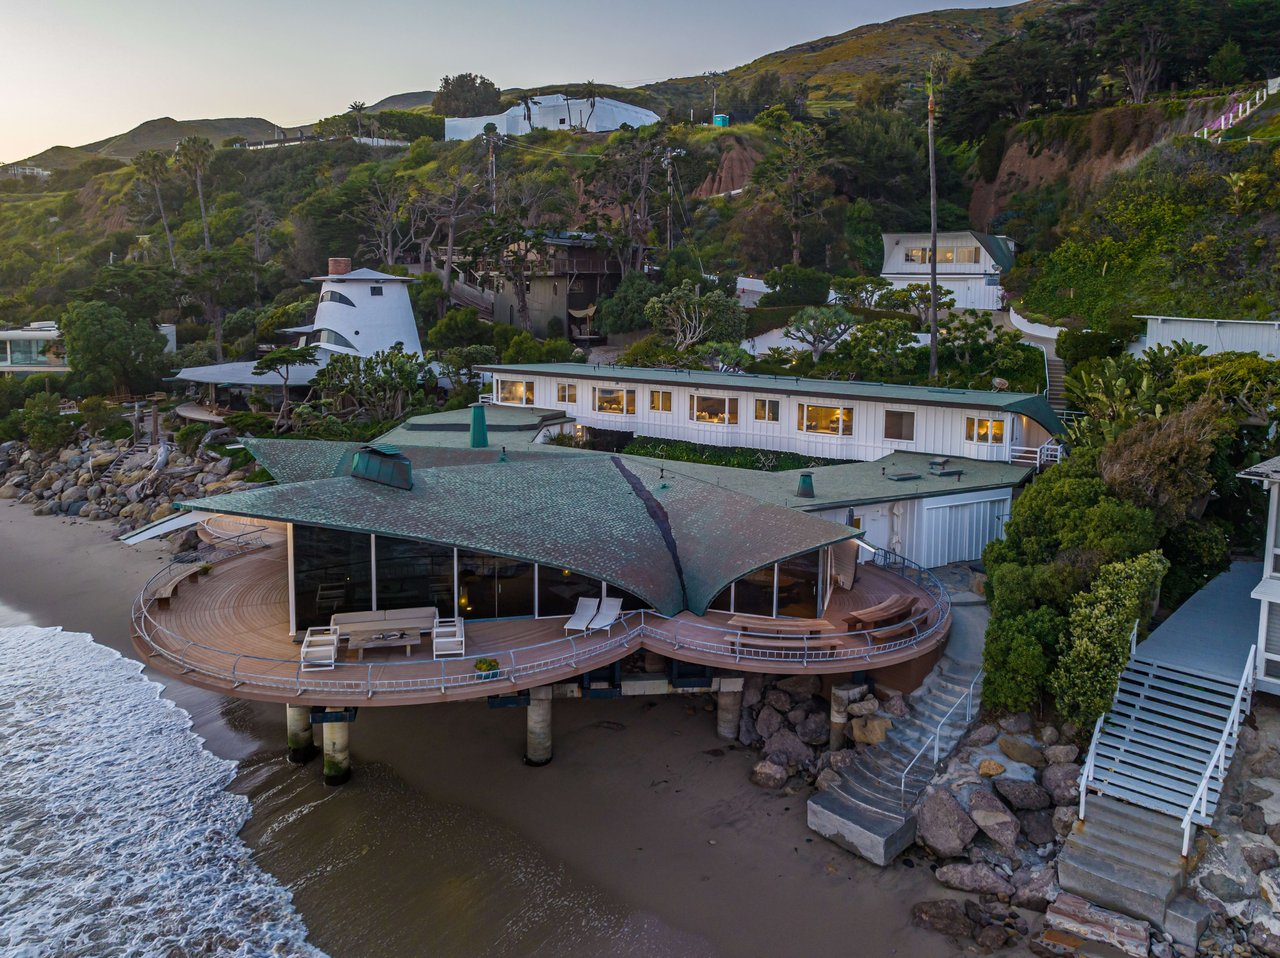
(869, 810)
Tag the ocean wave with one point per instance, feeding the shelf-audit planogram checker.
(117, 836)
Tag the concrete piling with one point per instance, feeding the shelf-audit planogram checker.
(841, 695)
(729, 707)
(337, 753)
(298, 725)
(537, 749)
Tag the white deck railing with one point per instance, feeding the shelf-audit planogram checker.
(515, 665)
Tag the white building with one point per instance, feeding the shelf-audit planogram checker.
(361, 312)
(553, 112)
(969, 264)
(35, 349)
(816, 417)
(1216, 335)
(1267, 652)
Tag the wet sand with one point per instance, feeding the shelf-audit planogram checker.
(642, 837)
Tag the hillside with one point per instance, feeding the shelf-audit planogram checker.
(60, 158)
(165, 132)
(403, 101)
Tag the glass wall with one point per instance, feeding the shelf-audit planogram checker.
(492, 587)
(24, 352)
(559, 590)
(332, 572)
(798, 580)
(413, 574)
(753, 593)
(797, 592)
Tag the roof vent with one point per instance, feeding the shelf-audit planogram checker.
(903, 476)
(948, 472)
(805, 488)
(479, 427)
(385, 465)
(339, 265)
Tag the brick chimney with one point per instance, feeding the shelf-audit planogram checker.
(339, 265)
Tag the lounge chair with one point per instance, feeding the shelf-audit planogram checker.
(582, 615)
(319, 649)
(448, 637)
(610, 609)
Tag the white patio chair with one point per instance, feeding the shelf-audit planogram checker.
(448, 638)
(582, 615)
(319, 649)
(610, 609)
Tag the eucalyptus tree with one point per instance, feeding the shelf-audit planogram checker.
(152, 167)
(193, 156)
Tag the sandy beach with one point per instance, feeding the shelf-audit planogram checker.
(643, 837)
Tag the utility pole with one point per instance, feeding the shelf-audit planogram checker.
(933, 244)
(670, 200)
(493, 170)
(713, 78)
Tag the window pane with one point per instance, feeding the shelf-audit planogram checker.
(714, 409)
(567, 392)
(611, 401)
(733, 412)
(822, 419)
(631, 402)
(754, 593)
(559, 590)
(659, 400)
(997, 430)
(629, 602)
(722, 602)
(412, 574)
(798, 586)
(492, 586)
(946, 254)
(513, 391)
(899, 425)
(968, 428)
(846, 422)
(332, 572)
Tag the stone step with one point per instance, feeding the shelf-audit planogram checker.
(1125, 888)
(1161, 830)
(874, 836)
(866, 792)
(1125, 847)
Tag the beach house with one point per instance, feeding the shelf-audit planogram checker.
(553, 111)
(36, 349)
(969, 264)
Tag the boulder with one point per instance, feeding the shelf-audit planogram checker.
(1022, 796)
(1064, 819)
(10, 492)
(815, 729)
(868, 706)
(1022, 751)
(1048, 735)
(778, 700)
(1263, 942)
(768, 774)
(944, 915)
(942, 825)
(896, 706)
(842, 758)
(747, 733)
(1269, 887)
(1061, 754)
(1017, 724)
(1034, 888)
(1062, 783)
(1260, 857)
(1224, 888)
(768, 721)
(978, 878)
(990, 815)
(1253, 820)
(796, 716)
(994, 937)
(1038, 826)
(869, 729)
(982, 735)
(752, 690)
(1074, 915)
(784, 747)
(990, 768)
(826, 778)
(800, 687)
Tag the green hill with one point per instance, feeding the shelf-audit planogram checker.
(165, 132)
(403, 101)
(60, 158)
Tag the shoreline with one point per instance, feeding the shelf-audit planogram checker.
(645, 828)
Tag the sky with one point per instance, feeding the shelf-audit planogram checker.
(76, 71)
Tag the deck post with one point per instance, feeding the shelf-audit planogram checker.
(337, 752)
(729, 707)
(841, 695)
(537, 748)
(302, 747)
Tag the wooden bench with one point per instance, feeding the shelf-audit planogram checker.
(889, 612)
(915, 621)
(764, 623)
(170, 588)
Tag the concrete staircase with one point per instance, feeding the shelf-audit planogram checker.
(869, 811)
(1057, 394)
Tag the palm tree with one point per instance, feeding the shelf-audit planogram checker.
(193, 156)
(528, 103)
(358, 107)
(590, 94)
(152, 167)
(933, 245)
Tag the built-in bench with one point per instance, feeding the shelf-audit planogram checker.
(169, 588)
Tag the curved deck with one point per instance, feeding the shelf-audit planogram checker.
(228, 631)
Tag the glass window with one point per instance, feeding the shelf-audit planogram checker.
(946, 254)
(767, 410)
(491, 587)
(724, 601)
(832, 420)
(612, 401)
(659, 400)
(916, 254)
(560, 589)
(515, 392)
(629, 602)
(798, 586)
(329, 296)
(753, 593)
(566, 392)
(332, 572)
(375, 290)
(969, 254)
(713, 409)
(899, 425)
(413, 574)
(29, 352)
(989, 431)
(854, 521)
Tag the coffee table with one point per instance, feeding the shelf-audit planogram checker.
(359, 641)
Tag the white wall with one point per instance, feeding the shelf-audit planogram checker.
(551, 112)
(1218, 335)
(374, 323)
(939, 430)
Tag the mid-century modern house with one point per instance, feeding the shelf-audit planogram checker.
(969, 264)
(553, 111)
(817, 417)
(565, 283)
(360, 312)
(35, 349)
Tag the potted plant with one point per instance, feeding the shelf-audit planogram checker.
(488, 668)
(205, 568)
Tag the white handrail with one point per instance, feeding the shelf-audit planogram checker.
(1087, 772)
(1244, 692)
(935, 739)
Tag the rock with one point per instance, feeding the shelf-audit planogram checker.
(1224, 888)
(768, 721)
(1022, 751)
(1273, 833)
(1064, 819)
(1260, 857)
(747, 733)
(800, 687)
(842, 758)
(1022, 796)
(826, 778)
(1253, 820)
(944, 915)
(1263, 941)
(990, 815)
(980, 879)
(1269, 887)
(1051, 943)
(1061, 754)
(1038, 826)
(784, 747)
(982, 735)
(778, 700)
(44, 509)
(1255, 793)
(869, 729)
(896, 706)
(1049, 735)
(1017, 724)
(1073, 914)
(990, 768)
(1034, 888)
(752, 690)
(768, 774)
(796, 716)
(942, 825)
(10, 492)
(868, 706)
(1248, 741)
(1061, 782)
(814, 730)
(993, 937)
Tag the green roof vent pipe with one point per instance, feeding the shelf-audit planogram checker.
(479, 428)
(805, 489)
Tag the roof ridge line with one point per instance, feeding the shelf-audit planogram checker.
(660, 519)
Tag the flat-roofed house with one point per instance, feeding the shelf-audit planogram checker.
(969, 264)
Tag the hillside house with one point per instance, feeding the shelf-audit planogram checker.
(569, 278)
(969, 264)
(553, 111)
(36, 349)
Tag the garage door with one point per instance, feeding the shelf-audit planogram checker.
(958, 533)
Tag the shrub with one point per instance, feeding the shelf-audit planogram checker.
(44, 426)
(250, 423)
(792, 285)
(1016, 667)
(189, 436)
(98, 417)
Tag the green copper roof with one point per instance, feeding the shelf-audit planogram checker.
(674, 541)
(1033, 405)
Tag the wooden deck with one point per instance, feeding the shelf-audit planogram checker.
(228, 631)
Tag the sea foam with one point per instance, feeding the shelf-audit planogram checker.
(117, 836)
